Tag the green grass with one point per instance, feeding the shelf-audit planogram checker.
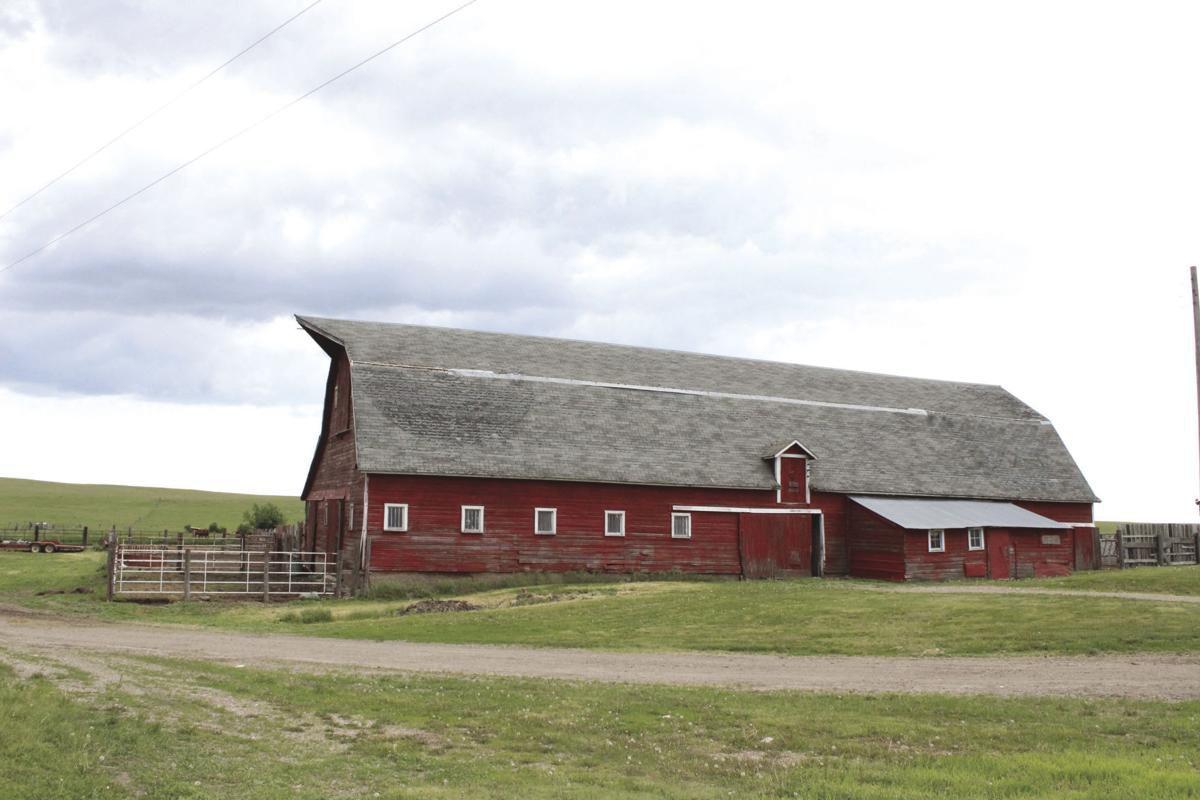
(100, 507)
(177, 729)
(1155, 580)
(791, 617)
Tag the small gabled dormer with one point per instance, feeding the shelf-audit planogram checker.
(791, 464)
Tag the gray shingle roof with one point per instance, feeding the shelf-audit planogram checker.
(439, 401)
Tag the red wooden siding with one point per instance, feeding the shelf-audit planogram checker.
(876, 545)
(1043, 554)
(434, 542)
(335, 481)
(793, 479)
(922, 565)
(1059, 512)
(775, 545)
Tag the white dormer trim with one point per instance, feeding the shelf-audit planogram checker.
(793, 443)
(778, 459)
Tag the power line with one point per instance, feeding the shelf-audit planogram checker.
(238, 134)
(164, 106)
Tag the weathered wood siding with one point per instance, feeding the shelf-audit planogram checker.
(875, 545)
(335, 477)
(1043, 554)
(922, 565)
(1059, 512)
(834, 508)
(434, 542)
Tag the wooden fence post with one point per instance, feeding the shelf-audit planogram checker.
(112, 566)
(1160, 546)
(1120, 549)
(366, 584)
(187, 573)
(85, 535)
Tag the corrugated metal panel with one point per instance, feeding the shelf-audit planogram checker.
(923, 514)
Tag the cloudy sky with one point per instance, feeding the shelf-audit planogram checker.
(1003, 194)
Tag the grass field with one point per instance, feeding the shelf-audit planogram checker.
(172, 729)
(100, 507)
(793, 617)
(1156, 580)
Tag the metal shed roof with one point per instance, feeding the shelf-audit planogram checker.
(923, 514)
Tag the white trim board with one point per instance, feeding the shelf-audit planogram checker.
(737, 510)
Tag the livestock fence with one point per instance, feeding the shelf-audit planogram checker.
(1151, 544)
(148, 571)
(33, 532)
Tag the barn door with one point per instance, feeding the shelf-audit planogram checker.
(999, 554)
(775, 545)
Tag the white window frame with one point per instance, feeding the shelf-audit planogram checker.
(971, 546)
(941, 533)
(387, 507)
(606, 531)
(553, 521)
(688, 517)
(463, 519)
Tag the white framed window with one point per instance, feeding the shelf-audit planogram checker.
(614, 523)
(472, 519)
(395, 516)
(681, 526)
(545, 521)
(974, 538)
(937, 540)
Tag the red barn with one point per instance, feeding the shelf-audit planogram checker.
(465, 452)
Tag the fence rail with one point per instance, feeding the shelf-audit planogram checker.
(183, 572)
(1151, 544)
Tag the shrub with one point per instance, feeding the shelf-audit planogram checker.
(264, 516)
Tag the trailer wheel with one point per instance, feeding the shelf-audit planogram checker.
(48, 547)
(35, 548)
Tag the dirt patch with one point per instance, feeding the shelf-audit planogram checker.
(528, 598)
(433, 606)
(76, 590)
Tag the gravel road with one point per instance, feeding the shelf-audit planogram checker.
(1141, 676)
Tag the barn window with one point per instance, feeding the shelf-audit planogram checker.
(350, 516)
(937, 541)
(614, 523)
(681, 526)
(545, 521)
(325, 514)
(974, 538)
(472, 519)
(395, 516)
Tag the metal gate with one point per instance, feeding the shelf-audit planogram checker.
(142, 571)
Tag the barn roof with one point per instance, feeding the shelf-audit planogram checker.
(441, 401)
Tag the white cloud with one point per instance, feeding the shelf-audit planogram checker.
(994, 194)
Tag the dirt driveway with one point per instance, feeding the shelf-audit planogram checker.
(1144, 676)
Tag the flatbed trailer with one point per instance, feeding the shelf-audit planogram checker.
(42, 546)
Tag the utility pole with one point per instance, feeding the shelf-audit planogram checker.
(1196, 327)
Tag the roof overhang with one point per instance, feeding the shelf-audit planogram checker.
(921, 513)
